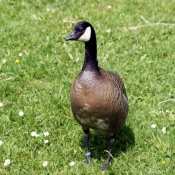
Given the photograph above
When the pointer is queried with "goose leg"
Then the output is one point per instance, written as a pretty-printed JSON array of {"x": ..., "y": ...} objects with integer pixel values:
[
  {"x": 111, "y": 145},
  {"x": 86, "y": 138}
]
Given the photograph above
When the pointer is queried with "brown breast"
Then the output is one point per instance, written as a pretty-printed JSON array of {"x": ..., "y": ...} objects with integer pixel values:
[{"x": 98, "y": 101}]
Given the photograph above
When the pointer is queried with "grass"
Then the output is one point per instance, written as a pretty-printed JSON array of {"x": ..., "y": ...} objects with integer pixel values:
[{"x": 139, "y": 47}]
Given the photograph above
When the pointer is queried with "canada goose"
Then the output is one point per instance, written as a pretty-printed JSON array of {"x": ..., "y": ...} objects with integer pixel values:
[{"x": 98, "y": 97}]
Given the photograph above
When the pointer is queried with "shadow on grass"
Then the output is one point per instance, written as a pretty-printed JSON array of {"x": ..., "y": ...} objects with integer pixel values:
[{"x": 99, "y": 142}]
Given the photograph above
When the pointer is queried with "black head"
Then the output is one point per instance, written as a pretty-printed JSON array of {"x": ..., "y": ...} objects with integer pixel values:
[{"x": 81, "y": 32}]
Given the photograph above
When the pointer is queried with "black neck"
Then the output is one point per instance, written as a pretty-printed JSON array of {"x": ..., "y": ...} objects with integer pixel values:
[{"x": 90, "y": 60}]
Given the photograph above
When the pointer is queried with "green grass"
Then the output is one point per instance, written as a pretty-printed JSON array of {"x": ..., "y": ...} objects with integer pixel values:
[{"x": 39, "y": 85}]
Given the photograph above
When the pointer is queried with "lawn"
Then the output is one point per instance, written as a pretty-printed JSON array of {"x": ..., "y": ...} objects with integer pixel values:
[{"x": 38, "y": 134}]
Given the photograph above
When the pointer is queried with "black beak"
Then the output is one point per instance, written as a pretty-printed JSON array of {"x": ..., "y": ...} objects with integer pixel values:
[{"x": 71, "y": 36}]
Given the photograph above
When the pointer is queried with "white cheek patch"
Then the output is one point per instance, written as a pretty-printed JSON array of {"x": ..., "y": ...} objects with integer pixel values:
[{"x": 86, "y": 35}]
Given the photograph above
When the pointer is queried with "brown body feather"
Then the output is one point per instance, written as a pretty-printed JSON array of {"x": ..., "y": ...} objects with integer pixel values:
[{"x": 98, "y": 101}]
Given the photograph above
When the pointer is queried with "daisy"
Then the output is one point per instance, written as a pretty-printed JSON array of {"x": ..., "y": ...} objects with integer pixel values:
[
  {"x": 45, "y": 163},
  {"x": 48, "y": 9},
  {"x": 153, "y": 126},
  {"x": 72, "y": 163},
  {"x": 1, "y": 142},
  {"x": 1, "y": 105},
  {"x": 164, "y": 130},
  {"x": 77, "y": 59},
  {"x": 46, "y": 141},
  {"x": 4, "y": 61},
  {"x": 21, "y": 113},
  {"x": 34, "y": 134},
  {"x": 7, "y": 162},
  {"x": 108, "y": 31},
  {"x": 46, "y": 133}
]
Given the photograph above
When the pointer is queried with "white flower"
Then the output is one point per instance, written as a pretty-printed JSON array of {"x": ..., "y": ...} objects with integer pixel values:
[
  {"x": 107, "y": 55},
  {"x": 167, "y": 111},
  {"x": 21, "y": 113},
  {"x": 48, "y": 9},
  {"x": 7, "y": 162},
  {"x": 1, "y": 142},
  {"x": 45, "y": 163},
  {"x": 1, "y": 105},
  {"x": 72, "y": 163},
  {"x": 46, "y": 141},
  {"x": 153, "y": 126},
  {"x": 77, "y": 59},
  {"x": 34, "y": 16},
  {"x": 164, "y": 130},
  {"x": 109, "y": 6},
  {"x": 20, "y": 54},
  {"x": 34, "y": 134},
  {"x": 108, "y": 31},
  {"x": 4, "y": 61},
  {"x": 46, "y": 133}
]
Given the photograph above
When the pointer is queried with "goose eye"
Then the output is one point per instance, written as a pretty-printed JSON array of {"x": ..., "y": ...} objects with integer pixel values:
[{"x": 80, "y": 29}]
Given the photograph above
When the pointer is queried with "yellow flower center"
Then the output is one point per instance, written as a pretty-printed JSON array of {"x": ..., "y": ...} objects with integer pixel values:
[{"x": 16, "y": 61}]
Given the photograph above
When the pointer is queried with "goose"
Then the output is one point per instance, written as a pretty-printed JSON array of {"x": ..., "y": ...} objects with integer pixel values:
[{"x": 98, "y": 97}]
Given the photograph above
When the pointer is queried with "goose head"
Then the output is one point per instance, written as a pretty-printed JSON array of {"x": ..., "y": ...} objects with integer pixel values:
[{"x": 82, "y": 31}]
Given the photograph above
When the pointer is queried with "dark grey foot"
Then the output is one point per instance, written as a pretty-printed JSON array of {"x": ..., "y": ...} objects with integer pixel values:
[
  {"x": 104, "y": 167},
  {"x": 88, "y": 160},
  {"x": 111, "y": 144}
]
